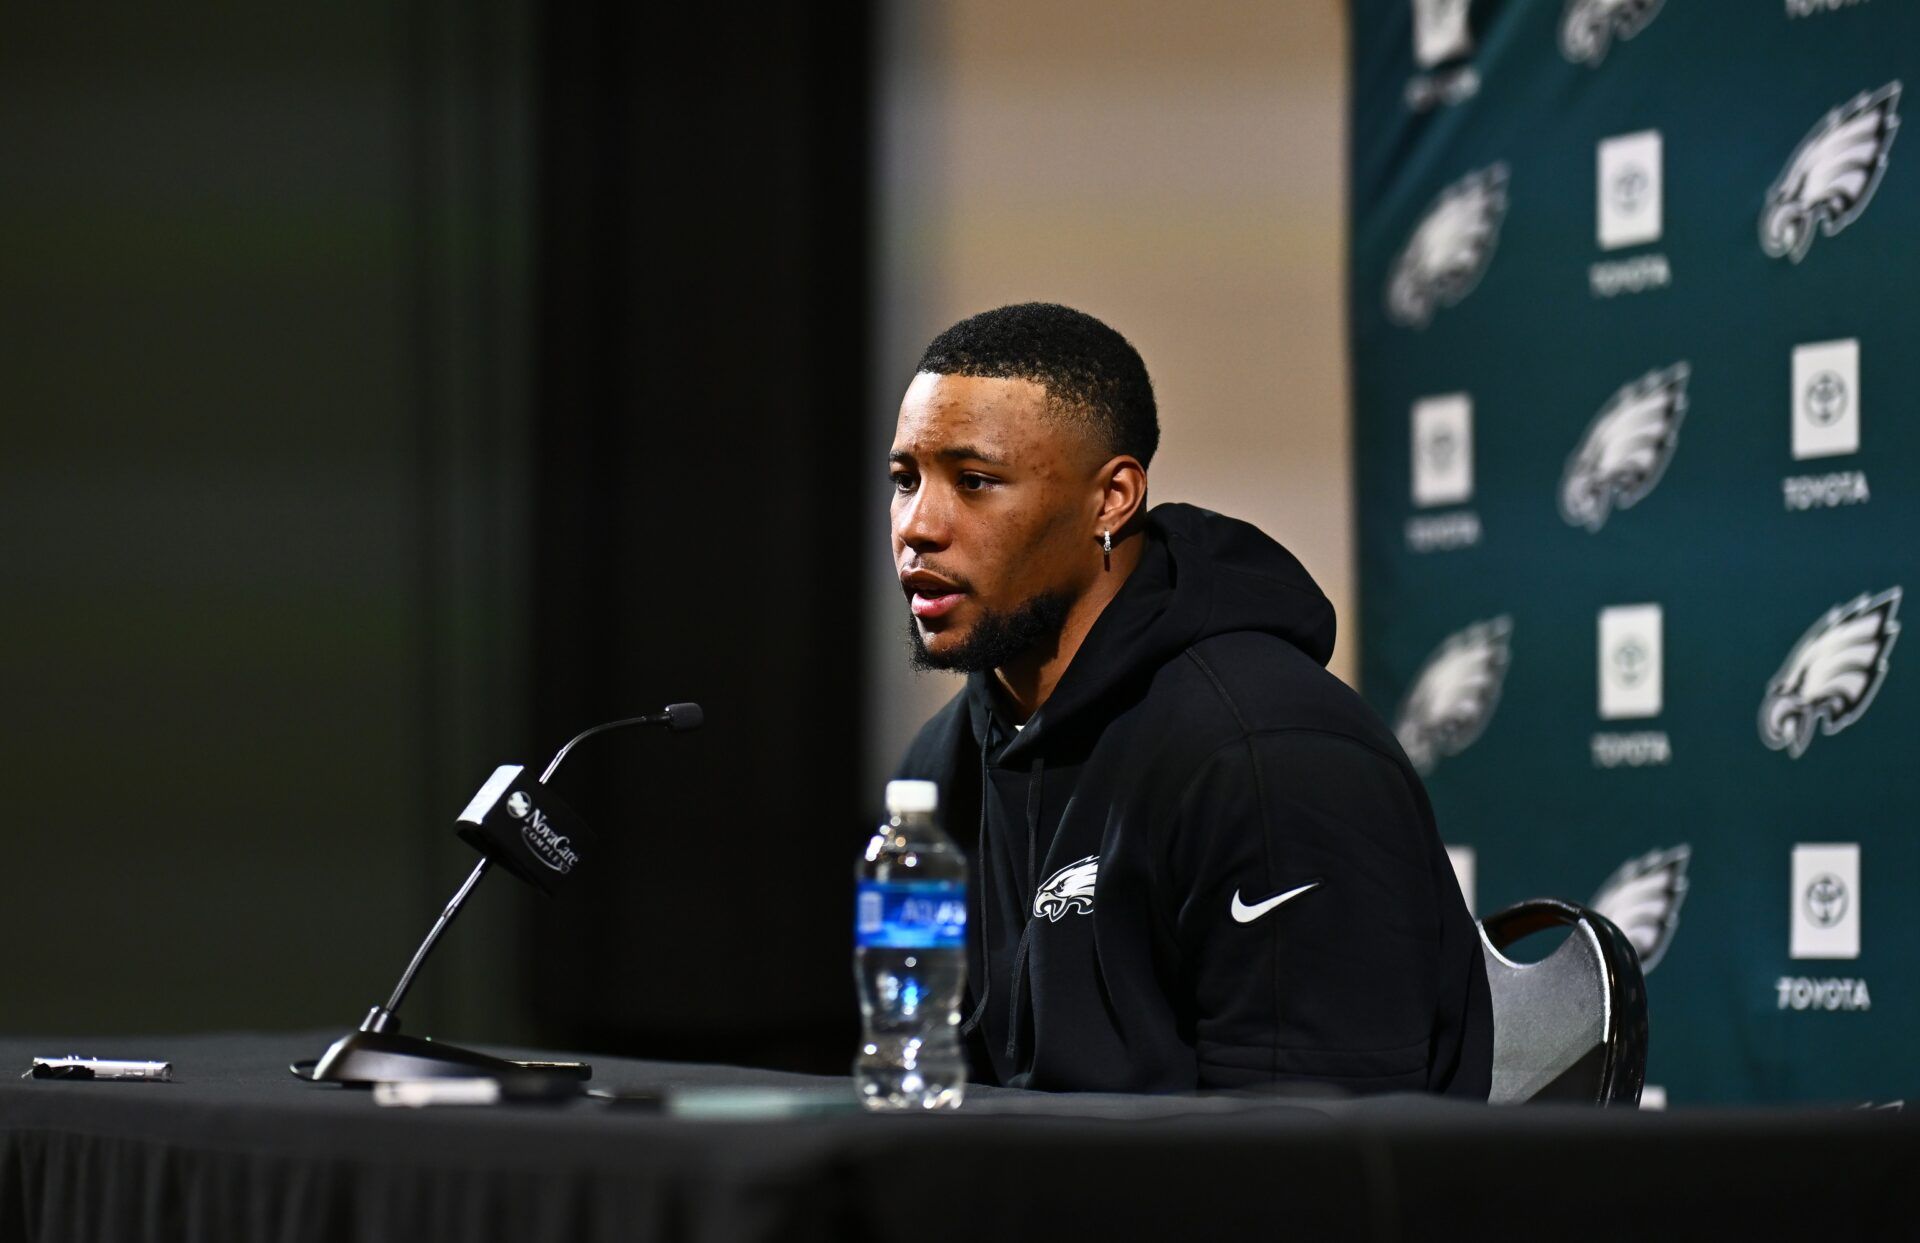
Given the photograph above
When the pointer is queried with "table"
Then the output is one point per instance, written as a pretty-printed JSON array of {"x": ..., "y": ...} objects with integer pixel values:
[{"x": 237, "y": 1149}]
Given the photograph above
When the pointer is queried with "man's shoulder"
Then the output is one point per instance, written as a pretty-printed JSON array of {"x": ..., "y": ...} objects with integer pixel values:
[{"x": 1228, "y": 686}]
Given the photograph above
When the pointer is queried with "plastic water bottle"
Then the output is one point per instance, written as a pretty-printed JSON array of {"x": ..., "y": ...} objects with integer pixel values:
[{"x": 910, "y": 957}]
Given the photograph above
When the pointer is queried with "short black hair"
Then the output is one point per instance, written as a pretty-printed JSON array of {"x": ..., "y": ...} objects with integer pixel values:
[{"x": 1090, "y": 372}]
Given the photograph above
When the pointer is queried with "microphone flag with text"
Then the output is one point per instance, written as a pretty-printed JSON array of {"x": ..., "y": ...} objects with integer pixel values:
[{"x": 524, "y": 827}]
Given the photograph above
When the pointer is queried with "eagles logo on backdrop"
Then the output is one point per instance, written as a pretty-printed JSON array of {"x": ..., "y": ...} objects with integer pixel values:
[
  {"x": 1069, "y": 889},
  {"x": 1832, "y": 674},
  {"x": 1597, "y": 152},
  {"x": 1440, "y": 31},
  {"x": 1454, "y": 694},
  {"x": 1442, "y": 42},
  {"x": 1589, "y": 27},
  {"x": 1643, "y": 898},
  {"x": 1450, "y": 248},
  {"x": 1626, "y": 448},
  {"x": 1832, "y": 174}
]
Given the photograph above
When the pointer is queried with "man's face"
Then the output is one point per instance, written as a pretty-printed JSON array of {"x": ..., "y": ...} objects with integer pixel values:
[{"x": 993, "y": 505}]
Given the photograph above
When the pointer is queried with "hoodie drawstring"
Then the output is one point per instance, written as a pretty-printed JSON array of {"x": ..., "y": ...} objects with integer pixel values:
[{"x": 1018, "y": 984}]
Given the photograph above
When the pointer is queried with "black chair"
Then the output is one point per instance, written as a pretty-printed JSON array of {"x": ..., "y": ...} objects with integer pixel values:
[{"x": 1573, "y": 1026}]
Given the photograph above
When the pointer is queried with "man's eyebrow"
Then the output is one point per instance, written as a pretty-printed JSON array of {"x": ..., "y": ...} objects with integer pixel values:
[
  {"x": 952, "y": 453},
  {"x": 963, "y": 453}
]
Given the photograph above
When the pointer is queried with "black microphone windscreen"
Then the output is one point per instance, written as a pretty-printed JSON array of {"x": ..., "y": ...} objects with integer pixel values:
[{"x": 685, "y": 716}]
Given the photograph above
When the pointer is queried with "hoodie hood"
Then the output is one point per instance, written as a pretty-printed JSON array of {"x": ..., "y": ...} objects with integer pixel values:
[{"x": 1200, "y": 574}]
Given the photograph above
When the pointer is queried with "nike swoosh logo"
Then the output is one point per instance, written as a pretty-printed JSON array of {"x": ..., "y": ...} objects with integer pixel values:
[{"x": 1242, "y": 913}]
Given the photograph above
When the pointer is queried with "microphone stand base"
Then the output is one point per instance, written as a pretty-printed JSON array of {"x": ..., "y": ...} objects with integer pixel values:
[{"x": 360, "y": 1058}]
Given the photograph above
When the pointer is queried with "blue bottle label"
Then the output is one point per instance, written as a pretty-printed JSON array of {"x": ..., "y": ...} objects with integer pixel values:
[{"x": 911, "y": 915}]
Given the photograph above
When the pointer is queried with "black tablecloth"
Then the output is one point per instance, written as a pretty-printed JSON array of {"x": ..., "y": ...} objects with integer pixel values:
[{"x": 236, "y": 1148}]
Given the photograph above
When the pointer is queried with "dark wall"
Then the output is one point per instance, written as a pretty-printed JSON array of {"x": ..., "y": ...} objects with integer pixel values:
[
  {"x": 392, "y": 390},
  {"x": 247, "y": 561},
  {"x": 701, "y": 379}
]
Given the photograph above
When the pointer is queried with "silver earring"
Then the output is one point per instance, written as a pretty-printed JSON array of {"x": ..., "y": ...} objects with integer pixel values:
[{"x": 1106, "y": 543}]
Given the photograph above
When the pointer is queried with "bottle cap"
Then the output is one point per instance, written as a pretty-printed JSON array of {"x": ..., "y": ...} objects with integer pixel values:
[{"x": 904, "y": 797}]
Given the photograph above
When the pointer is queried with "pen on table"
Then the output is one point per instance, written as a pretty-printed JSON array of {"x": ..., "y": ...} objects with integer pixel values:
[{"x": 76, "y": 1067}]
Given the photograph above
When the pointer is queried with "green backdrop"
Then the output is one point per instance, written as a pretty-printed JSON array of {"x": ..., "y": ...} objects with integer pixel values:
[{"x": 1632, "y": 319}]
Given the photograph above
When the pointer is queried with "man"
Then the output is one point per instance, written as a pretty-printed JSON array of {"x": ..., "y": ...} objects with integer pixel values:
[{"x": 1199, "y": 860}]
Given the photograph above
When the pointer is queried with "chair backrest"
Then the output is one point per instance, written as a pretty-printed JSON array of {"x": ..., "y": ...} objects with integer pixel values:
[{"x": 1573, "y": 1026}]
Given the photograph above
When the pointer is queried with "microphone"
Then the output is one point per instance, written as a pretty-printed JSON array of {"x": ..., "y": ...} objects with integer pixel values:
[
  {"x": 683, "y": 717},
  {"x": 526, "y": 829}
]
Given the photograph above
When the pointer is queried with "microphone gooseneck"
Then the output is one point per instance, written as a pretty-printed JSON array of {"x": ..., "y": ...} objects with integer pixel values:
[
  {"x": 382, "y": 1019},
  {"x": 676, "y": 717}
]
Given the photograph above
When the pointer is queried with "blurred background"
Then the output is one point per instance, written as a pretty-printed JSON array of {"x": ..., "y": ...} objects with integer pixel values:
[{"x": 395, "y": 389}]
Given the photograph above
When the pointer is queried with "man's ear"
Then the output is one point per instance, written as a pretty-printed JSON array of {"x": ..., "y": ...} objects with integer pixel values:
[{"x": 1123, "y": 494}]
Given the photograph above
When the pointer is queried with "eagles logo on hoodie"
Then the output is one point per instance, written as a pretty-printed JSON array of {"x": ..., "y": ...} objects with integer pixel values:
[{"x": 1069, "y": 889}]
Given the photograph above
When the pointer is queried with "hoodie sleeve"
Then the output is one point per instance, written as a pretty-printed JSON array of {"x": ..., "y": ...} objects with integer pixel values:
[{"x": 1320, "y": 933}]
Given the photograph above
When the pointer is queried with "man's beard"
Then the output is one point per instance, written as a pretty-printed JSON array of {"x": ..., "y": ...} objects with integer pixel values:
[{"x": 997, "y": 638}]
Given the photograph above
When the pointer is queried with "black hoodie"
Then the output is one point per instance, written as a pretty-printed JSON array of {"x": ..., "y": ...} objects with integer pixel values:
[{"x": 1205, "y": 862}]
